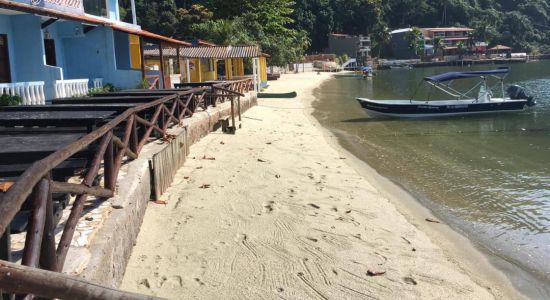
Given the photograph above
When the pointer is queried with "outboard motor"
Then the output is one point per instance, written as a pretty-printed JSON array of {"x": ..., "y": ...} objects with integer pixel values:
[{"x": 516, "y": 92}]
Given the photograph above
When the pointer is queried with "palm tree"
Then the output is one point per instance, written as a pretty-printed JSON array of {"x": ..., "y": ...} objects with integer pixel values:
[
  {"x": 381, "y": 37},
  {"x": 416, "y": 41},
  {"x": 439, "y": 45},
  {"x": 470, "y": 42},
  {"x": 460, "y": 45}
]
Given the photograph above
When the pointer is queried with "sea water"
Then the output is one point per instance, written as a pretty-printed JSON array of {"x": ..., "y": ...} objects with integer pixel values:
[{"x": 487, "y": 176}]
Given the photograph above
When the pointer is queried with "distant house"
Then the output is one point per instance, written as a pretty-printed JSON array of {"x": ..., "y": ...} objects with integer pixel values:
[
  {"x": 354, "y": 46},
  {"x": 499, "y": 49},
  {"x": 450, "y": 36}
]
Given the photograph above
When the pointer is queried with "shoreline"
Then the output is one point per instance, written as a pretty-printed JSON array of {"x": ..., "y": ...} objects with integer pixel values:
[
  {"x": 284, "y": 211},
  {"x": 458, "y": 247}
]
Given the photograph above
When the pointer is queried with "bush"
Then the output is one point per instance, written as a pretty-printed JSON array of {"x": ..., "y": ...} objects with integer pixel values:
[
  {"x": 108, "y": 88},
  {"x": 9, "y": 100},
  {"x": 144, "y": 84}
]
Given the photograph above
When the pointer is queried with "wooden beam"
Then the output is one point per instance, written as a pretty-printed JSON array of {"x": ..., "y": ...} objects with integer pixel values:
[
  {"x": 127, "y": 150},
  {"x": 88, "y": 28},
  {"x": 142, "y": 56},
  {"x": 35, "y": 231},
  {"x": 23, "y": 280},
  {"x": 161, "y": 55},
  {"x": 48, "y": 23},
  {"x": 80, "y": 189}
]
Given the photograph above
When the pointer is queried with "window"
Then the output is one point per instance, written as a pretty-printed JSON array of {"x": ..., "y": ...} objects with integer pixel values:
[
  {"x": 208, "y": 64},
  {"x": 5, "y": 75},
  {"x": 49, "y": 51},
  {"x": 96, "y": 7}
]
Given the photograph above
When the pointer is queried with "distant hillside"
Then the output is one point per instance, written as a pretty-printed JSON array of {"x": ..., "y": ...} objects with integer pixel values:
[{"x": 286, "y": 29}]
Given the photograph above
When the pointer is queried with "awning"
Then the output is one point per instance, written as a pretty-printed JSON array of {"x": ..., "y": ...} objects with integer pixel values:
[
  {"x": 88, "y": 19},
  {"x": 216, "y": 52},
  {"x": 222, "y": 52},
  {"x": 462, "y": 75},
  {"x": 501, "y": 47}
]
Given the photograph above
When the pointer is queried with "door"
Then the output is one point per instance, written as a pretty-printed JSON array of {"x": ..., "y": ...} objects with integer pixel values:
[
  {"x": 5, "y": 74},
  {"x": 49, "y": 49}
]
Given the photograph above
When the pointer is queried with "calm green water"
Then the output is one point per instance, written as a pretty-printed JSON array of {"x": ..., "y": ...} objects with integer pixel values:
[{"x": 487, "y": 176}]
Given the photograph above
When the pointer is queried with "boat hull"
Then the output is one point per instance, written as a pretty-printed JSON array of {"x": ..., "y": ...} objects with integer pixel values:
[{"x": 438, "y": 108}]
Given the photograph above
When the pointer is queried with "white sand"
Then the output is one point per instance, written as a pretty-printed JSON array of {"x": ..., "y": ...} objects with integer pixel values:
[{"x": 285, "y": 216}]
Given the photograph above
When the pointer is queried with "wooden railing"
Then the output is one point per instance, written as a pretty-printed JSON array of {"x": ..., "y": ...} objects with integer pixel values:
[
  {"x": 123, "y": 137},
  {"x": 71, "y": 88},
  {"x": 32, "y": 93}
]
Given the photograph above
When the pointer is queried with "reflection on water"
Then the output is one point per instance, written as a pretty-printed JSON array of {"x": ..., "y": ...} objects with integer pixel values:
[{"x": 487, "y": 175}]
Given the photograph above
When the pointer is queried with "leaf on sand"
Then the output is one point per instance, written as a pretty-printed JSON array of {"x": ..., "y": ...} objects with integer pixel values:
[
  {"x": 375, "y": 273},
  {"x": 160, "y": 202},
  {"x": 314, "y": 205},
  {"x": 432, "y": 220},
  {"x": 205, "y": 186},
  {"x": 5, "y": 186},
  {"x": 261, "y": 160}
]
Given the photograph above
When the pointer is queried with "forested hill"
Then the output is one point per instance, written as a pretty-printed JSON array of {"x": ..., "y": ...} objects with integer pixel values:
[{"x": 285, "y": 28}]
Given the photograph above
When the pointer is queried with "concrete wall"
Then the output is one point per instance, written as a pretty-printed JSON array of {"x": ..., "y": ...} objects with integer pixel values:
[
  {"x": 28, "y": 53},
  {"x": 343, "y": 45},
  {"x": 112, "y": 246}
]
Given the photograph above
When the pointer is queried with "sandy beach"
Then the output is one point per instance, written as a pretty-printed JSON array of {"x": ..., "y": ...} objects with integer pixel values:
[{"x": 279, "y": 210}]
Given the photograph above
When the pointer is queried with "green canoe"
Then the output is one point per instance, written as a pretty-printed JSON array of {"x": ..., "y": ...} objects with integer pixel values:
[{"x": 277, "y": 95}]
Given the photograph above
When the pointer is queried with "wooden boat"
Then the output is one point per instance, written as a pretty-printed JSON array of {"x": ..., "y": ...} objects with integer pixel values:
[
  {"x": 516, "y": 99},
  {"x": 278, "y": 95}
]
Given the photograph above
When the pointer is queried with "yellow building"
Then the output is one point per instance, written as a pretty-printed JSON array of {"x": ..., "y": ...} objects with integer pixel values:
[{"x": 210, "y": 63}]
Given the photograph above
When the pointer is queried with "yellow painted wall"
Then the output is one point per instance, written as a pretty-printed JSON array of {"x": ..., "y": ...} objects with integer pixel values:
[
  {"x": 238, "y": 66},
  {"x": 229, "y": 69},
  {"x": 135, "y": 51},
  {"x": 263, "y": 69},
  {"x": 208, "y": 75},
  {"x": 196, "y": 74}
]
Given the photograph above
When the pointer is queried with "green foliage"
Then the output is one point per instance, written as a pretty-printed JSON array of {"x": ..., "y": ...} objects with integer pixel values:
[
  {"x": 143, "y": 85},
  {"x": 9, "y": 100},
  {"x": 286, "y": 28},
  {"x": 107, "y": 88},
  {"x": 415, "y": 38}
]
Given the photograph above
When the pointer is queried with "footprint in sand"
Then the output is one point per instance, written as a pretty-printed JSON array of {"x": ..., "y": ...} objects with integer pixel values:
[
  {"x": 198, "y": 281},
  {"x": 269, "y": 207},
  {"x": 145, "y": 283}
]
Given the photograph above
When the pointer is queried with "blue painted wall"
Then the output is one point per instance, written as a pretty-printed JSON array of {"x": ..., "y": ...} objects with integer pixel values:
[
  {"x": 96, "y": 56},
  {"x": 101, "y": 53},
  {"x": 29, "y": 60}
]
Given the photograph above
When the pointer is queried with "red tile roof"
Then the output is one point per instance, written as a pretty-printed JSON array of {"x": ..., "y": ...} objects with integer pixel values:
[{"x": 448, "y": 29}]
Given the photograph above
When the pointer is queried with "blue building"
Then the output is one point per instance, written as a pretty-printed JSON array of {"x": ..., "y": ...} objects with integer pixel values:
[{"x": 59, "y": 48}]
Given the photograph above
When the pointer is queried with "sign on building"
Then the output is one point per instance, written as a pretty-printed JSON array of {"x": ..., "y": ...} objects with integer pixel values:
[{"x": 70, "y": 6}]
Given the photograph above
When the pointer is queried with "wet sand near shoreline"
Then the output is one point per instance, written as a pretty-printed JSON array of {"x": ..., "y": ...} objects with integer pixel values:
[{"x": 276, "y": 211}]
